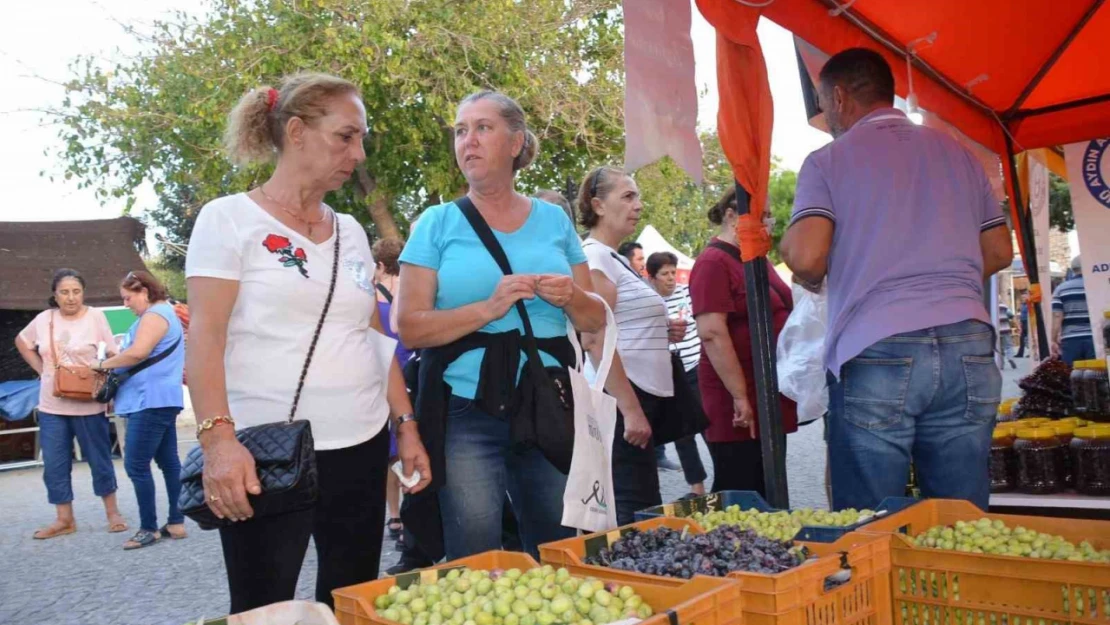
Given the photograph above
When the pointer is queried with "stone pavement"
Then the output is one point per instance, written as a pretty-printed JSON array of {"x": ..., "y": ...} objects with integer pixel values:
[{"x": 87, "y": 579}]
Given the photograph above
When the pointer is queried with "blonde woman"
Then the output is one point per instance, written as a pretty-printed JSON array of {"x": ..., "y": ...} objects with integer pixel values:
[{"x": 259, "y": 268}]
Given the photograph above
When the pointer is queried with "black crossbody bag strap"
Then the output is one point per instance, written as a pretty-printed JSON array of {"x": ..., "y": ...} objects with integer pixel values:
[
  {"x": 385, "y": 293},
  {"x": 493, "y": 246},
  {"x": 153, "y": 360},
  {"x": 727, "y": 249}
]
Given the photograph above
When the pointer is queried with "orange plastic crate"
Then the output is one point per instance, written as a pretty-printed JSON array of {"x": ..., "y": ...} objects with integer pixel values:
[
  {"x": 799, "y": 596},
  {"x": 935, "y": 587},
  {"x": 699, "y": 601}
]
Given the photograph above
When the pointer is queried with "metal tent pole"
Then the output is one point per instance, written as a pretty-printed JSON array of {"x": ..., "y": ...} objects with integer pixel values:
[
  {"x": 1029, "y": 259},
  {"x": 772, "y": 437}
]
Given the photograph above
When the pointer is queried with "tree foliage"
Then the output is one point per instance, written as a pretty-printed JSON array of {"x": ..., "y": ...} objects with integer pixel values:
[
  {"x": 158, "y": 118},
  {"x": 678, "y": 207},
  {"x": 1059, "y": 204}
]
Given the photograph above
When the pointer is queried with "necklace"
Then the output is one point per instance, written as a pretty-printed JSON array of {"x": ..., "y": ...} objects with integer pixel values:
[{"x": 293, "y": 214}]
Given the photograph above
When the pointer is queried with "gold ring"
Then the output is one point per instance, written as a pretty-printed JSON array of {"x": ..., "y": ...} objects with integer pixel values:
[{"x": 213, "y": 498}]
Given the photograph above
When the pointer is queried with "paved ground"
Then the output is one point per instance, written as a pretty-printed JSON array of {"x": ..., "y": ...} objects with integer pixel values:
[{"x": 86, "y": 579}]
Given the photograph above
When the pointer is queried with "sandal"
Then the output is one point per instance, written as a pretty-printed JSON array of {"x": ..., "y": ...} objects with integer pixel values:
[
  {"x": 142, "y": 538},
  {"x": 117, "y": 526},
  {"x": 395, "y": 527},
  {"x": 166, "y": 533},
  {"x": 53, "y": 531}
]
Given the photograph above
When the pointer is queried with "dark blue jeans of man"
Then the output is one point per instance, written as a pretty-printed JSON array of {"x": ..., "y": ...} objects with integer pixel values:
[
  {"x": 1078, "y": 348},
  {"x": 931, "y": 396},
  {"x": 56, "y": 434},
  {"x": 481, "y": 467},
  {"x": 152, "y": 435}
]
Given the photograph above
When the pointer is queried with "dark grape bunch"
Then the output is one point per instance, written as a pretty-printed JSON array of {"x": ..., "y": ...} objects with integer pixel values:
[
  {"x": 1047, "y": 391},
  {"x": 672, "y": 553}
]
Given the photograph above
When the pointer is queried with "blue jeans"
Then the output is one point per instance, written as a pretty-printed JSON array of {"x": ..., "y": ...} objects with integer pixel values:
[
  {"x": 481, "y": 468},
  {"x": 56, "y": 434},
  {"x": 930, "y": 395},
  {"x": 1079, "y": 348},
  {"x": 152, "y": 435}
]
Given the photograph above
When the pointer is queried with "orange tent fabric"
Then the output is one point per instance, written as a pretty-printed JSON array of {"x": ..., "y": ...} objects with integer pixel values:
[
  {"x": 746, "y": 114},
  {"x": 1031, "y": 72},
  {"x": 1037, "y": 66}
]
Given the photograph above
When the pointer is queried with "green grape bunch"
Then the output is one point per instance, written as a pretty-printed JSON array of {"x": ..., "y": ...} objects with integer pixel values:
[
  {"x": 540, "y": 596},
  {"x": 996, "y": 538},
  {"x": 780, "y": 525}
]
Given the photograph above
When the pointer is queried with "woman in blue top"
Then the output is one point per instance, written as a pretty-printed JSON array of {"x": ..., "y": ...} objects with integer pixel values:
[
  {"x": 151, "y": 400},
  {"x": 452, "y": 288}
]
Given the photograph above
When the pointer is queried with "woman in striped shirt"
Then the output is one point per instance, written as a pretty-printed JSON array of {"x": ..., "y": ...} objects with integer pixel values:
[
  {"x": 609, "y": 206},
  {"x": 662, "y": 270}
]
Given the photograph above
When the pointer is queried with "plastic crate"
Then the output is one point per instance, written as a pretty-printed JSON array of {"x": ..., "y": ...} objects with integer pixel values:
[
  {"x": 806, "y": 595},
  {"x": 749, "y": 499},
  {"x": 934, "y": 587},
  {"x": 699, "y": 601}
]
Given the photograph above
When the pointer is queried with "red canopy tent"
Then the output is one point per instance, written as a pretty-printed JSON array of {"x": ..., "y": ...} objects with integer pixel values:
[{"x": 1011, "y": 75}]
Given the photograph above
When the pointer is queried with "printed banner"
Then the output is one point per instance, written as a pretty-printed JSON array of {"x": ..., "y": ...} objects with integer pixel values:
[
  {"x": 660, "y": 96},
  {"x": 1089, "y": 178},
  {"x": 1038, "y": 207}
]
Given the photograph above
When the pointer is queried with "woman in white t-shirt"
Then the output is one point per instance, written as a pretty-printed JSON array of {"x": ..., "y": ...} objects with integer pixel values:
[
  {"x": 259, "y": 268},
  {"x": 609, "y": 205}
]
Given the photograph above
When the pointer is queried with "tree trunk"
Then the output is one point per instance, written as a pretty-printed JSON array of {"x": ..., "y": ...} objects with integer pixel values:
[{"x": 378, "y": 208}]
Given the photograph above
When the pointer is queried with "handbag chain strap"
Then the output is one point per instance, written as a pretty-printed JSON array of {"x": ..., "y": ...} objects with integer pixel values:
[{"x": 320, "y": 323}]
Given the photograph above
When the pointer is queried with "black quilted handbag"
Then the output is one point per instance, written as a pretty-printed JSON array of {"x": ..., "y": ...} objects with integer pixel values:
[{"x": 284, "y": 454}]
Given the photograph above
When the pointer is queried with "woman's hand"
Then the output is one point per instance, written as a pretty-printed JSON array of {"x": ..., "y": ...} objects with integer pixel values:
[
  {"x": 413, "y": 455},
  {"x": 637, "y": 430},
  {"x": 229, "y": 475},
  {"x": 555, "y": 289},
  {"x": 509, "y": 291},
  {"x": 743, "y": 416},
  {"x": 676, "y": 330}
]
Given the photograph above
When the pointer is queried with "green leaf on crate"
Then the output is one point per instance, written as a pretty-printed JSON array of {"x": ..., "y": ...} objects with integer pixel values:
[
  {"x": 601, "y": 541},
  {"x": 424, "y": 576},
  {"x": 404, "y": 580}
]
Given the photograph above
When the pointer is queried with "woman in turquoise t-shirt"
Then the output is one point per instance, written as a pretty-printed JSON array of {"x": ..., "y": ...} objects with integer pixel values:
[
  {"x": 151, "y": 401},
  {"x": 451, "y": 287}
]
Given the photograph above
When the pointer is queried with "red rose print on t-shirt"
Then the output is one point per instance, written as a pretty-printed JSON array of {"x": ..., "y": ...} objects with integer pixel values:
[
  {"x": 288, "y": 257},
  {"x": 275, "y": 243}
]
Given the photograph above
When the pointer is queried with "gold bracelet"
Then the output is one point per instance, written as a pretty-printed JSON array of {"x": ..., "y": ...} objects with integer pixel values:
[{"x": 208, "y": 424}]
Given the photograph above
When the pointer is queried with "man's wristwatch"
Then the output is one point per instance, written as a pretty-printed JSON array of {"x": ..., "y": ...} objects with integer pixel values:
[{"x": 405, "y": 418}]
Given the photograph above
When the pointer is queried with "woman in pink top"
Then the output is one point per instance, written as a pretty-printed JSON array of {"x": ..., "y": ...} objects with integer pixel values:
[{"x": 76, "y": 330}]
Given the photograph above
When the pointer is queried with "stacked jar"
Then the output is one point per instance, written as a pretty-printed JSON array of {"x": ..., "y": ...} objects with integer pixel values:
[
  {"x": 1005, "y": 410},
  {"x": 1040, "y": 468},
  {"x": 1097, "y": 391},
  {"x": 1106, "y": 331},
  {"x": 1003, "y": 461},
  {"x": 1065, "y": 432},
  {"x": 1079, "y": 383},
  {"x": 1029, "y": 422},
  {"x": 1090, "y": 459}
]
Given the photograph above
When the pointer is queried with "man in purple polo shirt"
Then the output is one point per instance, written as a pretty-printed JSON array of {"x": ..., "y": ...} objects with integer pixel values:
[{"x": 902, "y": 221}]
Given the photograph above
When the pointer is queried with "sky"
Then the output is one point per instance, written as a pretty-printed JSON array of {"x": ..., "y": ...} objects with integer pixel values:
[{"x": 38, "y": 40}]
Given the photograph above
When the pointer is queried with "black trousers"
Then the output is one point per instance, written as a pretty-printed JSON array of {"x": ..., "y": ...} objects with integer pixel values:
[
  {"x": 264, "y": 556},
  {"x": 737, "y": 466},
  {"x": 687, "y": 448},
  {"x": 635, "y": 473}
]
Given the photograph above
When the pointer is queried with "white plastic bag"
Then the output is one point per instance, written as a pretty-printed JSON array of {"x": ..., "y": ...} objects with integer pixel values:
[
  {"x": 588, "y": 502},
  {"x": 286, "y": 613},
  {"x": 801, "y": 354}
]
